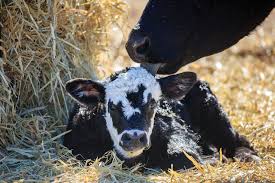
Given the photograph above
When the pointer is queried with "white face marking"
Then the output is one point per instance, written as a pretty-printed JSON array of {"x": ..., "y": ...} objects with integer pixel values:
[
  {"x": 151, "y": 126},
  {"x": 132, "y": 132},
  {"x": 116, "y": 91},
  {"x": 137, "y": 26}
]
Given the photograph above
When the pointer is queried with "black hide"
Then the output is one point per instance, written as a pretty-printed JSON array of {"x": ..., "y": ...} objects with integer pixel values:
[
  {"x": 199, "y": 121},
  {"x": 178, "y": 32}
]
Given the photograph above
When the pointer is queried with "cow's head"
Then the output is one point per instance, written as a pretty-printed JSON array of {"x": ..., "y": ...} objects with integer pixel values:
[
  {"x": 177, "y": 32},
  {"x": 130, "y": 99}
]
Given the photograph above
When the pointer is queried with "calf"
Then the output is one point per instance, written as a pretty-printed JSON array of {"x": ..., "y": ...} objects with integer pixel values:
[{"x": 150, "y": 121}]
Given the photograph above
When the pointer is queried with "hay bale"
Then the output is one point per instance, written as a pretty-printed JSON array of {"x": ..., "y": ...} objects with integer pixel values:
[{"x": 44, "y": 44}]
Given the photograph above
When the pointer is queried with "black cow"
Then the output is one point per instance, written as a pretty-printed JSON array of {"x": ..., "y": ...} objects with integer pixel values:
[
  {"x": 150, "y": 121},
  {"x": 178, "y": 32}
]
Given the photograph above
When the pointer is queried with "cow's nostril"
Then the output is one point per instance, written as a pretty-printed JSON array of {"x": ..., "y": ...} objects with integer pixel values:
[{"x": 143, "y": 47}]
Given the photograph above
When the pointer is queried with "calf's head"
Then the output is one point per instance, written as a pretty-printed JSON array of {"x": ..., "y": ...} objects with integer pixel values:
[{"x": 130, "y": 101}]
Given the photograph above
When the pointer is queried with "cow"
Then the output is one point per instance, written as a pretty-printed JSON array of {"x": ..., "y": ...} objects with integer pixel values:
[
  {"x": 150, "y": 120},
  {"x": 174, "y": 33}
]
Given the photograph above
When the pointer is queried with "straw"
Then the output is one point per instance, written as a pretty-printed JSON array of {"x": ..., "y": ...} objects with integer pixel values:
[{"x": 45, "y": 43}]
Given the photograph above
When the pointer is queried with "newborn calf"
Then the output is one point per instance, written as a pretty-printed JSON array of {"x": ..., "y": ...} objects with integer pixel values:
[{"x": 150, "y": 121}]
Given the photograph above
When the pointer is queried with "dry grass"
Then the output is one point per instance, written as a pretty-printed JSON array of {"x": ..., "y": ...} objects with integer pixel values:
[{"x": 46, "y": 44}]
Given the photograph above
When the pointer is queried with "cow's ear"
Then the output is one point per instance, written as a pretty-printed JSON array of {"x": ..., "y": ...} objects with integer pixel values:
[
  {"x": 177, "y": 86},
  {"x": 86, "y": 92}
]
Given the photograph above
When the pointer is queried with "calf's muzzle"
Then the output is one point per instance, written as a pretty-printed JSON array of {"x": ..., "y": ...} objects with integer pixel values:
[{"x": 133, "y": 142}]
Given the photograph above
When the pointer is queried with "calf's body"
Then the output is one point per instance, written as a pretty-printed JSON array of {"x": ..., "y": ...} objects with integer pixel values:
[{"x": 195, "y": 124}]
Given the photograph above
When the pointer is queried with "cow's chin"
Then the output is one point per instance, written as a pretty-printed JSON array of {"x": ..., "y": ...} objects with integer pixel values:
[
  {"x": 170, "y": 68},
  {"x": 128, "y": 154}
]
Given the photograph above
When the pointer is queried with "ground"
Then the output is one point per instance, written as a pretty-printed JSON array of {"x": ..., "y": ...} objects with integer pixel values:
[{"x": 243, "y": 78}]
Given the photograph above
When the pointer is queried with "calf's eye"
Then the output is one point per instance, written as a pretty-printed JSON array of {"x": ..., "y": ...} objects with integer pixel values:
[
  {"x": 152, "y": 104},
  {"x": 112, "y": 107}
]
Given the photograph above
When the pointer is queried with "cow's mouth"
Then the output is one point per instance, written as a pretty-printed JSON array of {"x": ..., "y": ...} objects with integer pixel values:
[
  {"x": 152, "y": 68},
  {"x": 168, "y": 69},
  {"x": 160, "y": 68}
]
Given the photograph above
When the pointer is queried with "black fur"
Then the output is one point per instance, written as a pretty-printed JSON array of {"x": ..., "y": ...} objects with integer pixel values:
[
  {"x": 199, "y": 119},
  {"x": 136, "y": 98},
  {"x": 87, "y": 92},
  {"x": 182, "y": 31}
]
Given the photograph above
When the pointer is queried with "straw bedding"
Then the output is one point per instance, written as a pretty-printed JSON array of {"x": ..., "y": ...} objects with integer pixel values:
[{"x": 45, "y": 43}]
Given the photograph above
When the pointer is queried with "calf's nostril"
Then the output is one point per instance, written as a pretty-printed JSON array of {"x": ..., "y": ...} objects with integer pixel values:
[
  {"x": 143, "y": 139},
  {"x": 126, "y": 138},
  {"x": 134, "y": 140}
]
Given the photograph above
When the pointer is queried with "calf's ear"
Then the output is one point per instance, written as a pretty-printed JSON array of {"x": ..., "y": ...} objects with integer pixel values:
[
  {"x": 177, "y": 86},
  {"x": 85, "y": 91}
]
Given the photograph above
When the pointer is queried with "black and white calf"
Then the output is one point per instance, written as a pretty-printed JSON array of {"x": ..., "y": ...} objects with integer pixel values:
[{"x": 150, "y": 121}]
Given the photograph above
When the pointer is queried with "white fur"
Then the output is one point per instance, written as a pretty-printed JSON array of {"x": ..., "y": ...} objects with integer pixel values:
[
  {"x": 137, "y": 26},
  {"x": 116, "y": 139},
  {"x": 132, "y": 132},
  {"x": 151, "y": 127},
  {"x": 116, "y": 91}
]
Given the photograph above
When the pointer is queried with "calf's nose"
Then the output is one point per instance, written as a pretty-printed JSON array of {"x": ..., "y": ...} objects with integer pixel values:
[
  {"x": 133, "y": 141},
  {"x": 138, "y": 46}
]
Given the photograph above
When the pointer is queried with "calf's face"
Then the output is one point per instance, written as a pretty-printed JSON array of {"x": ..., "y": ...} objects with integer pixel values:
[{"x": 130, "y": 101}]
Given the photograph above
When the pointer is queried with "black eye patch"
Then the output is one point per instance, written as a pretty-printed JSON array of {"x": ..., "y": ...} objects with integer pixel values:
[
  {"x": 116, "y": 112},
  {"x": 136, "y": 98},
  {"x": 112, "y": 107},
  {"x": 115, "y": 108},
  {"x": 139, "y": 121},
  {"x": 152, "y": 104}
]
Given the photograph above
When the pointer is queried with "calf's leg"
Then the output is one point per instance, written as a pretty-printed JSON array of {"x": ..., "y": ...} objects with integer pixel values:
[{"x": 209, "y": 120}]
